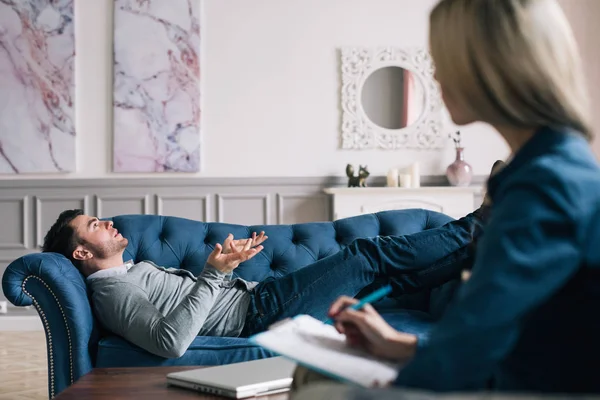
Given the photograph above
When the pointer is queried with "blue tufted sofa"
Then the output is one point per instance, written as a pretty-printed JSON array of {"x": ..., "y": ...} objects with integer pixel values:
[{"x": 77, "y": 343}]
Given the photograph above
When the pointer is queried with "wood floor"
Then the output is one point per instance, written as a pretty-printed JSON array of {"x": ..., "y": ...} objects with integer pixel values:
[{"x": 23, "y": 368}]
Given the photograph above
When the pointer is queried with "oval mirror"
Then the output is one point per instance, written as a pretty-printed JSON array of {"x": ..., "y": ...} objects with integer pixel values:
[{"x": 392, "y": 97}]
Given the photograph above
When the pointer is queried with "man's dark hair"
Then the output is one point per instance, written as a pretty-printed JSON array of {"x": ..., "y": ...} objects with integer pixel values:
[{"x": 61, "y": 237}]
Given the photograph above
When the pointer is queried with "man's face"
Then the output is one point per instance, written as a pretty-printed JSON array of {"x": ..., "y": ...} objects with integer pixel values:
[{"x": 99, "y": 239}]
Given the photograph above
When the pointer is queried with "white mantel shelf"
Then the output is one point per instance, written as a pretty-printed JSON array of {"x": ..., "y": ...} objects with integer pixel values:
[
  {"x": 453, "y": 201},
  {"x": 400, "y": 190}
]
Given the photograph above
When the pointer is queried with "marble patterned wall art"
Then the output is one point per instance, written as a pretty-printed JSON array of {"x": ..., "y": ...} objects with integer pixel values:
[
  {"x": 156, "y": 86},
  {"x": 37, "y": 52}
]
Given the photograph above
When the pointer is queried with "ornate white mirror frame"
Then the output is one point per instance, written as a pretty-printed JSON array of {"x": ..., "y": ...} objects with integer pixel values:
[{"x": 358, "y": 131}]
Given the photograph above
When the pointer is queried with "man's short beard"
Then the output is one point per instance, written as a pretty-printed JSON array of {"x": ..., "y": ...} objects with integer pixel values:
[{"x": 104, "y": 250}]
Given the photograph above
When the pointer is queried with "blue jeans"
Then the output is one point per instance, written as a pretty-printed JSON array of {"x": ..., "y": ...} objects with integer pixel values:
[{"x": 411, "y": 263}]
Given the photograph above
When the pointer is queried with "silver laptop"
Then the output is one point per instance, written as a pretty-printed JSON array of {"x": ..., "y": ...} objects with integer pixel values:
[{"x": 239, "y": 380}]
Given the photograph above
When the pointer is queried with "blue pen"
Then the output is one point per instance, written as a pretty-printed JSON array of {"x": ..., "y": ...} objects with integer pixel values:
[{"x": 370, "y": 298}]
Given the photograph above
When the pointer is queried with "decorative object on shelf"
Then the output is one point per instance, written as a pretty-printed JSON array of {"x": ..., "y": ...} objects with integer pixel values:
[
  {"x": 459, "y": 173},
  {"x": 359, "y": 180},
  {"x": 415, "y": 175},
  {"x": 156, "y": 98},
  {"x": 37, "y": 60},
  {"x": 405, "y": 180},
  {"x": 389, "y": 99},
  {"x": 392, "y": 178}
]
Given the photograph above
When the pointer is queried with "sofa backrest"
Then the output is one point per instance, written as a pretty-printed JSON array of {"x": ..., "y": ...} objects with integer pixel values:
[{"x": 182, "y": 243}]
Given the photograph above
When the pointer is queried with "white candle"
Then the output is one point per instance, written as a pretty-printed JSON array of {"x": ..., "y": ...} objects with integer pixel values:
[
  {"x": 392, "y": 178},
  {"x": 405, "y": 180},
  {"x": 416, "y": 175}
]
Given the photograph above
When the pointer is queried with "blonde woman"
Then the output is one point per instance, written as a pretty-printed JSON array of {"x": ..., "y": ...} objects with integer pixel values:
[{"x": 527, "y": 319}]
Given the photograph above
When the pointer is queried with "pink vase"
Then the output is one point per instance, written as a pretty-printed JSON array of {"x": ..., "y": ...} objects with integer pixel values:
[{"x": 459, "y": 173}]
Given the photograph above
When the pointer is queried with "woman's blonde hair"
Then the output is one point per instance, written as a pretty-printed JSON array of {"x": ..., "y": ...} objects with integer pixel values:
[{"x": 512, "y": 62}]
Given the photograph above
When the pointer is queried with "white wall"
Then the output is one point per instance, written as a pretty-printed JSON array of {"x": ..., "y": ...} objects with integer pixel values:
[
  {"x": 272, "y": 80},
  {"x": 584, "y": 15},
  {"x": 270, "y": 83}
]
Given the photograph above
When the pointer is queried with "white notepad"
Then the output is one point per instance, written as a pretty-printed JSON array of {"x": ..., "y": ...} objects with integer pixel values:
[{"x": 322, "y": 348}]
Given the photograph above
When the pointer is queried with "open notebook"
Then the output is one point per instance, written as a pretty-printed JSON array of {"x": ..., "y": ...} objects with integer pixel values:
[{"x": 320, "y": 347}]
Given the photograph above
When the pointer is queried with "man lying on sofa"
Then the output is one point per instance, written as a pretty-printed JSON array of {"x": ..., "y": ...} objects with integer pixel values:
[{"x": 162, "y": 310}]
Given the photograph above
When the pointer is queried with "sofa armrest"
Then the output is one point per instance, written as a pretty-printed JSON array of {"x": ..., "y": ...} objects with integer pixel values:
[{"x": 58, "y": 291}]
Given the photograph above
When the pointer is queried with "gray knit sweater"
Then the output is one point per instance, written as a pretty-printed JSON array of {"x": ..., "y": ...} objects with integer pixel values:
[{"x": 162, "y": 310}]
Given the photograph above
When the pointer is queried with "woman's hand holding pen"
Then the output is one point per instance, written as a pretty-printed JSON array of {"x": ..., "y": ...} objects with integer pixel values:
[{"x": 366, "y": 329}]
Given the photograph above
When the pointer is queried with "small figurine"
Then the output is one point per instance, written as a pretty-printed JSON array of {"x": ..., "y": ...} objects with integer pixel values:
[{"x": 357, "y": 181}]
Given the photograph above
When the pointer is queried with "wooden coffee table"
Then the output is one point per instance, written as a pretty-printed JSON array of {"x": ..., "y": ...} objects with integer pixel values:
[{"x": 146, "y": 383}]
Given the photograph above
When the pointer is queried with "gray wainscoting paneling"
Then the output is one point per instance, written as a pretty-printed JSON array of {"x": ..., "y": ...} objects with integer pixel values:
[
  {"x": 184, "y": 206},
  {"x": 29, "y": 207},
  {"x": 301, "y": 207},
  {"x": 14, "y": 214},
  {"x": 111, "y": 205},
  {"x": 244, "y": 209},
  {"x": 3, "y": 264},
  {"x": 48, "y": 208}
]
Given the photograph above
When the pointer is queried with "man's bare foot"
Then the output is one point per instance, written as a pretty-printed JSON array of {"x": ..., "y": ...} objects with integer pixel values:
[
  {"x": 483, "y": 214},
  {"x": 498, "y": 165},
  {"x": 484, "y": 210}
]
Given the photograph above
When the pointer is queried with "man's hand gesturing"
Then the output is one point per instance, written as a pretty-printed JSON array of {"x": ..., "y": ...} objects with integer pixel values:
[
  {"x": 227, "y": 259},
  {"x": 239, "y": 244}
]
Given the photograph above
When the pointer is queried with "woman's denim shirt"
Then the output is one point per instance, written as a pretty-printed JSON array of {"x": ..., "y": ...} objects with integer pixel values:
[{"x": 528, "y": 319}]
